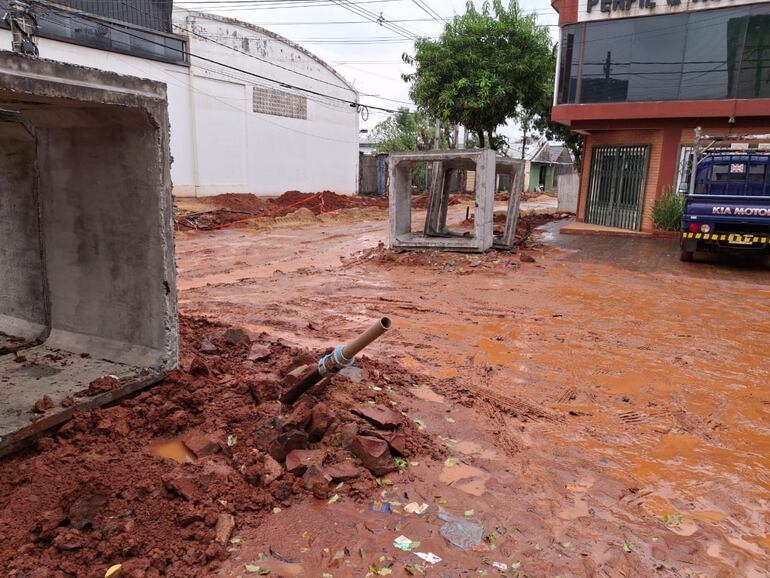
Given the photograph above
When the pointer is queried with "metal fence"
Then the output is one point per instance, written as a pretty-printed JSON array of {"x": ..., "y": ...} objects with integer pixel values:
[{"x": 616, "y": 189}]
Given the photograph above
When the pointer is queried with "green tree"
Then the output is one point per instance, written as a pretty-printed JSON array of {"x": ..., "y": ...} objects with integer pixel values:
[
  {"x": 403, "y": 131},
  {"x": 487, "y": 66}
]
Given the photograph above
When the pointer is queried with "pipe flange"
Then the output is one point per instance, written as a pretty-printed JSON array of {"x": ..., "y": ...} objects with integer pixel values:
[{"x": 338, "y": 361}]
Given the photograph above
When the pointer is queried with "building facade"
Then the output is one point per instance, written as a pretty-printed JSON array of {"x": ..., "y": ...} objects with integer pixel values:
[
  {"x": 636, "y": 77},
  {"x": 250, "y": 111}
]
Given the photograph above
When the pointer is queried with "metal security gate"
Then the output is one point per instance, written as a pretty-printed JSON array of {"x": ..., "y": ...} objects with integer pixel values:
[{"x": 616, "y": 186}]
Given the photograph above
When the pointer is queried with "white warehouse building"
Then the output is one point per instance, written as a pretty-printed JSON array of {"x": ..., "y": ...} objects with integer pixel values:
[{"x": 273, "y": 118}]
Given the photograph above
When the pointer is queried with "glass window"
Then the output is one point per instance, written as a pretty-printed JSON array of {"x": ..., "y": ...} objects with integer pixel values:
[
  {"x": 756, "y": 173},
  {"x": 568, "y": 67},
  {"x": 606, "y": 61},
  {"x": 707, "y": 54},
  {"x": 754, "y": 81},
  {"x": 720, "y": 173},
  {"x": 657, "y": 51}
]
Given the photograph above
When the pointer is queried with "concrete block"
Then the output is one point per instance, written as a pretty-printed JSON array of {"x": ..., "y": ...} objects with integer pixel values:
[
  {"x": 436, "y": 235},
  {"x": 515, "y": 169},
  {"x": 88, "y": 251},
  {"x": 482, "y": 161}
]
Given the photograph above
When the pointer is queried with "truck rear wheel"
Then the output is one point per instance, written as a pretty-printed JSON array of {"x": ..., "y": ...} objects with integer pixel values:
[{"x": 686, "y": 256}]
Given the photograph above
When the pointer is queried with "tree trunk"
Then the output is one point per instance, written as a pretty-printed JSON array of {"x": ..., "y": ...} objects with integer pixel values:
[
  {"x": 480, "y": 134},
  {"x": 492, "y": 143}
]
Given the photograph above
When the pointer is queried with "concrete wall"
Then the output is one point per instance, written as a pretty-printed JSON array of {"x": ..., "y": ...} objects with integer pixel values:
[
  {"x": 218, "y": 143},
  {"x": 22, "y": 298},
  {"x": 102, "y": 190},
  {"x": 568, "y": 186}
]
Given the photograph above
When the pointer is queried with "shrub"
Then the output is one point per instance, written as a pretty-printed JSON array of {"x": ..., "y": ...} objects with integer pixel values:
[{"x": 667, "y": 211}]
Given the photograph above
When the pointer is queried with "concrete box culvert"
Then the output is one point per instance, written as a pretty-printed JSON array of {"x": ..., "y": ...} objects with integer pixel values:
[{"x": 87, "y": 276}]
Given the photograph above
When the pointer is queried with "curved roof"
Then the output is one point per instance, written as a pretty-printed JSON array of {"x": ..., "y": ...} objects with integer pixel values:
[{"x": 278, "y": 37}]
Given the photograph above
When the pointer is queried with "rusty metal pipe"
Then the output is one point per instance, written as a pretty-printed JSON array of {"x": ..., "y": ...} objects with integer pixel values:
[{"x": 342, "y": 356}]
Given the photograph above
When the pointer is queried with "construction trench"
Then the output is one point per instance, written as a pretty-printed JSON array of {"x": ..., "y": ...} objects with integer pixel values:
[{"x": 564, "y": 408}]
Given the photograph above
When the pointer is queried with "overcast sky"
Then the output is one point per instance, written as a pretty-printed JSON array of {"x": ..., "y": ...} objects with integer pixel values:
[{"x": 367, "y": 54}]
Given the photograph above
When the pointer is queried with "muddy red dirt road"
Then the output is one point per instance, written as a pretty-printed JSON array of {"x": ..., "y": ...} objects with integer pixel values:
[{"x": 605, "y": 408}]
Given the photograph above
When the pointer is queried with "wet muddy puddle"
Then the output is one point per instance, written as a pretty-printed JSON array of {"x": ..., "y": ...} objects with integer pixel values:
[{"x": 172, "y": 450}]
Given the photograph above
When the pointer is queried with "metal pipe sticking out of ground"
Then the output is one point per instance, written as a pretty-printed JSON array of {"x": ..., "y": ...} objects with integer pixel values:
[{"x": 343, "y": 356}]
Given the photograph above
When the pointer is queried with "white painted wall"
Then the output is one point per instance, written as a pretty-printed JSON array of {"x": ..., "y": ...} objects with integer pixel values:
[{"x": 218, "y": 143}]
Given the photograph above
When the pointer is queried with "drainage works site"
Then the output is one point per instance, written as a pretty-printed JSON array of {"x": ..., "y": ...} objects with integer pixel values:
[{"x": 577, "y": 406}]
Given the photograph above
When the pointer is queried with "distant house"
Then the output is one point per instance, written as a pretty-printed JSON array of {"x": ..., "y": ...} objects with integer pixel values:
[{"x": 548, "y": 161}]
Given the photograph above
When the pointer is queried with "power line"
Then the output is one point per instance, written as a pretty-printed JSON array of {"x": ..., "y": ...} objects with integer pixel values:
[
  {"x": 210, "y": 39},
  {"x": 189, "y": 54},
  {"x": 429, "y": 11},
  {"x": 368, "y": 15}
]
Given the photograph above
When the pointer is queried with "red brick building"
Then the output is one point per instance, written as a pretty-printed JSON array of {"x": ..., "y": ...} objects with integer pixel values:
[{"x": 637, "y": 76}]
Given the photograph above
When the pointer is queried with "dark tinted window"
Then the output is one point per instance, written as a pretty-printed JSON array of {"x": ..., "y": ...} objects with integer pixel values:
[
  {"x": 708, "y": 54},
  {"x": 756, "y": 173},
  {"x": 754, "y": 79},
  {"x": 720, "y": 173},
  {"x": 69, "y": 27},
  {"x": 606, "y": 61}
]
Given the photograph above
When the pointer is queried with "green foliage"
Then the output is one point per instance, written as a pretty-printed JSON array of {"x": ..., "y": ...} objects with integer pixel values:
[
  {"x": 404, "y": 131},
  {"x": 667, "y": 211},
  {"x": 488, "y": 65}
]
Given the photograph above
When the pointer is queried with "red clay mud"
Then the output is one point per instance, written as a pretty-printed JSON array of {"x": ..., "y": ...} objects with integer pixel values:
[
  {"x": 603, "y": 410},
  {"x": 158, "y": 481}
]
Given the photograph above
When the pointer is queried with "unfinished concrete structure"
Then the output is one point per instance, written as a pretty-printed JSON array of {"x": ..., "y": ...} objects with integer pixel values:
[
  {"x": 86, "y": 244},
  {"x": 436, "y": 234}
]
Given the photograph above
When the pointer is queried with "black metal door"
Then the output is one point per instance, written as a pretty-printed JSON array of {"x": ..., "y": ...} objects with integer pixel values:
[{"x": 616, "y": 186}]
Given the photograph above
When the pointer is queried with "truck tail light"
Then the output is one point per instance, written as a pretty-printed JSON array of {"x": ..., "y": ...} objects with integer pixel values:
[
  {"x": 705, "y": 228},
  {"x": 694, "y": 227}
]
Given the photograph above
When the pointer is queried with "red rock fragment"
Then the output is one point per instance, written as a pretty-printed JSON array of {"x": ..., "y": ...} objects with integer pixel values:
[
  {"x": 203, "y": 444},
  {"x": 199, "y": 367},
  {"x": 374, "y": 454},
  {"x": 317, "y": 482},
  {"x": 348, "y": 433},
  {"x": 343, "y": 471},
  {"x": 271, "y": 470},
  {"x": 68, "y": 401},
  {"x": 68, "y": 539},
  {"x": 258, "y": 352},
  {"x": 396, "y": 440},
  {"x": 286, "y": 442},
  {"x": 180, "y": 485},
  {"x": 43, "y": 404},
  {"x": 224, "y": 528},
  {"x": 320, "y": 419},
  {"x": 48, "y": 522},
  {"x": 86, "y": 507},
  {"x": 379, "y": 415},
  {"x": 297, "y": 461},
  {"x": 236, "y": 336},
  {"x": 300, "y": 414},
  {"x": 102, "y": 385}
]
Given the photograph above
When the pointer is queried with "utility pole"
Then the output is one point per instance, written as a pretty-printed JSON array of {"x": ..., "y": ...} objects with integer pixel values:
[{"x": 23, "y": 26}]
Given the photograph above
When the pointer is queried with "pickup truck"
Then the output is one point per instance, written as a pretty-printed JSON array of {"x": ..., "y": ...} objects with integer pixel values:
[{"x": 729, "y": 204}]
